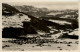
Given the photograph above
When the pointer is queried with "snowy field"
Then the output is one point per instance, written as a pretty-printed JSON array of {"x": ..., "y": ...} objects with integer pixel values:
[{"x": 58, "y": 44}]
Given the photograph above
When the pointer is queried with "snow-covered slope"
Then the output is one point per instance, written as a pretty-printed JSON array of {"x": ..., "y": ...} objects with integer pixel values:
[{"x": 14, "y": 21}]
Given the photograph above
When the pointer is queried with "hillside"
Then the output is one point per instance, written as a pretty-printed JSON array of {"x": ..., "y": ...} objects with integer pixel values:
[
  {"x": 24, "y": 24},
  {"x": 8, "y": 9}
]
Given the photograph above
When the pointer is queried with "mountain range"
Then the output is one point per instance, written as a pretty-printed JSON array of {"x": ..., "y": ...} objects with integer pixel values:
[{"x": 34, "y": 20}]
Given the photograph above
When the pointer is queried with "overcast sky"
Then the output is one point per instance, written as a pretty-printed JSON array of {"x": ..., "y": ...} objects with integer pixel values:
[{"x": 49, "y": 5}]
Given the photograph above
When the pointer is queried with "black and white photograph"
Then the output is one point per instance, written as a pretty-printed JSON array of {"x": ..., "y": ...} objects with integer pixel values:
[{"x": 30, "y": 26}]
